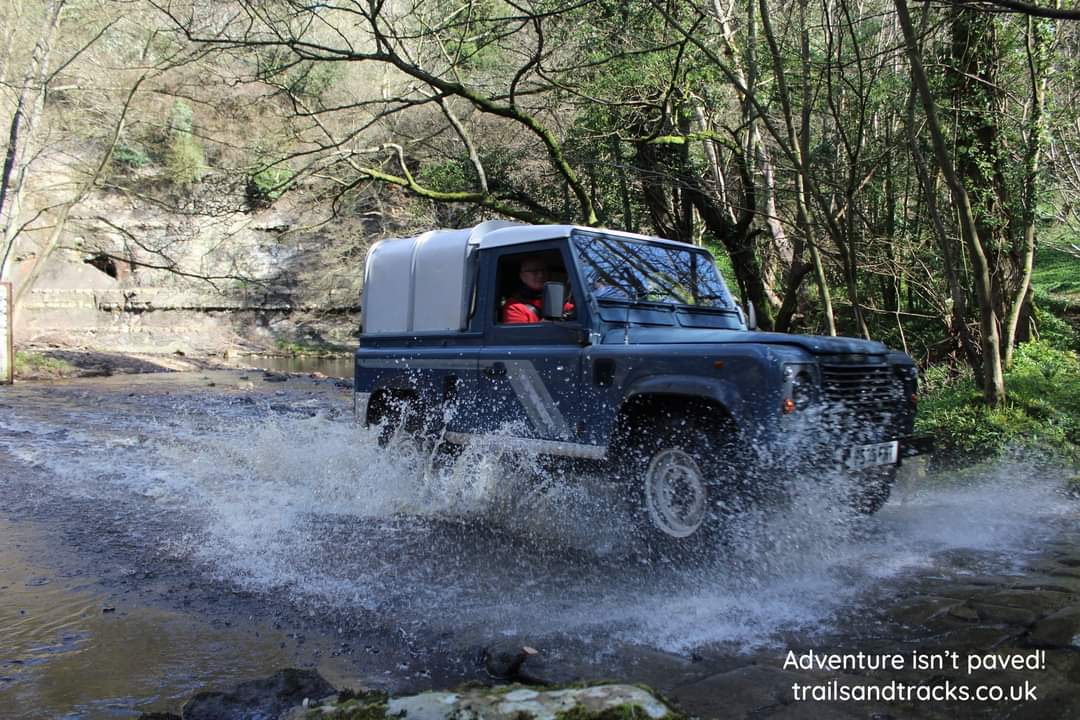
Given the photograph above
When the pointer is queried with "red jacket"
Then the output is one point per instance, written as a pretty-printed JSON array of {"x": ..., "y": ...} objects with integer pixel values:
[{"x": 522, "y": 310}]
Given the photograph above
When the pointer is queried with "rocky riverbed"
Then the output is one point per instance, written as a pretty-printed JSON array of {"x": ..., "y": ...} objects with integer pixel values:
[{"x": 172, "y": 533}]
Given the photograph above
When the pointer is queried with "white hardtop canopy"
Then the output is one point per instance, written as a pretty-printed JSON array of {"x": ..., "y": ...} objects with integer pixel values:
[
  {"x": 423, "y": 284},
  {"x": 514, "y": 234}
]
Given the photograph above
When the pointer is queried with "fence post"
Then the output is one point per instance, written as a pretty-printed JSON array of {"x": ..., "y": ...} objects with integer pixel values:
[{"x": 7, "y": 348}]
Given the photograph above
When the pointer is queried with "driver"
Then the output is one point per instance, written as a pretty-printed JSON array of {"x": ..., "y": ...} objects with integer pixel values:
[{"x": 526, "y": 303}]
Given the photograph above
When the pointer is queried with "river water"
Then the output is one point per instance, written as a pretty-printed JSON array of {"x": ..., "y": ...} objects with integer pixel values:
[{"x": 166, "y": 532}]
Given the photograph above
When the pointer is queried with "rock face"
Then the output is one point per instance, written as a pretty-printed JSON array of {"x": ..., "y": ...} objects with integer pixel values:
[
  {"x": 266, "y": 698},
  {"x": 142, "y": 275}
]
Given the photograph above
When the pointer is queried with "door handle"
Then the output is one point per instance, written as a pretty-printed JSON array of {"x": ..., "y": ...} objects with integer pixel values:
[{"x": 495, "y": 370}]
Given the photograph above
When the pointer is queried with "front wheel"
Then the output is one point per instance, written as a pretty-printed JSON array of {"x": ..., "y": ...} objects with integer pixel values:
[
  {"x": 676, "y": 493},
  {"x": 681, "y": 478}
]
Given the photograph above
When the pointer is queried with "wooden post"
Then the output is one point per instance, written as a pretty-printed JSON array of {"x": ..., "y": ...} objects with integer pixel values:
[{"x": 7, "y": 349}]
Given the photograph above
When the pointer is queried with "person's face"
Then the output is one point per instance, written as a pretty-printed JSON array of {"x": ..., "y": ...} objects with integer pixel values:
[{"x": 533, "y": 275}]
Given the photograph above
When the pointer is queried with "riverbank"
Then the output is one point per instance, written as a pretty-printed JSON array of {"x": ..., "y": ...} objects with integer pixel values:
[{"x": 47, "y": 363}]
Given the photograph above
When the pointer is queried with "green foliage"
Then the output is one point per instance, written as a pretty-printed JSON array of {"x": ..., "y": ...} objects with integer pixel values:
[
  {"x": 310, "y": 347},
  {"x": 181, "y": 118},
  {"x": 1057, "y": 273},
  {"x": 184, "y": 157},
  {"x": 470, "y": 40},
  {"x": 185, "y": 160},
  {"x": 1042, "y": 409},
  {"x": 131, "y": 156},
  {"x": 309, "y": 79},
  {"x": 1055, "y": 280},
  {"x": 268, "y": 183},
  {"x": 451, "y": 175},
  {"x": 1055, "y": 331},
  {"x": 36, "y": 365}
]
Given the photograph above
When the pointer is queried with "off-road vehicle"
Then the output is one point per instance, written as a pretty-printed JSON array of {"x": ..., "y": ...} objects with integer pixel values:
[{"x": 639, "y": 357}]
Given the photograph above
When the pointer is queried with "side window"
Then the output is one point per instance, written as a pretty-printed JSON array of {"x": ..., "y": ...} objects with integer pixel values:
[{"x": 520, "y": 286}]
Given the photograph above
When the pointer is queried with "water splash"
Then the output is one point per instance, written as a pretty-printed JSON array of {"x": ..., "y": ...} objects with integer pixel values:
[{"x": 282, "y": 495}]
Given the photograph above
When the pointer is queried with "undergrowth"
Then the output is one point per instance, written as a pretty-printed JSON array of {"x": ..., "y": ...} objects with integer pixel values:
[
  {"x": 34, "y": 364},
  {"x": 319, "y": 348},
  {"x": 1042, "y": 408}
]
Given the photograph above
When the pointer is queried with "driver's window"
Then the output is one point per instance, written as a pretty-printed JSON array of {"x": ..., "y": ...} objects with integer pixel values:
[{"x": 520, "y": 283}]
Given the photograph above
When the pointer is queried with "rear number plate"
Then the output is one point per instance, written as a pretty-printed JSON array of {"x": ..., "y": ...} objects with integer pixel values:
[{"x": 864, "y": 456}]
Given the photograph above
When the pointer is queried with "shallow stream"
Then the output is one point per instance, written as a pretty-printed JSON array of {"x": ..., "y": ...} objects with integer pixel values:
[{"x": 166, "y": 532}]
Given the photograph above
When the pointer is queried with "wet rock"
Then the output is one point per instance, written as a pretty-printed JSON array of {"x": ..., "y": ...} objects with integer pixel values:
[
  {"x": 159, "y": 716},
  {"x": 964, "y": 612},
  {"x": 1055, "y": 568},
  {"x": 749, "y": 691},
  {"x": 524, "y": 702},
  {"x": 1057, "y": 687},
  {"x": 1061, "y": 584},
  {"x": 657, "y": 668},
  {"x": 1037, "y": 600},
  {"x": 505, "y": 660},
  {"x": 1005, "y": 615},
  {"x": 919, "y": 610},
  {"x": 971, "y": 636},
  {"x": 1064, "y": 571},
  {"x": 264, "y": 698},
  {"x": 275, "y": 377},
  {"x": 1058, "y": 630},
  {"x": 961, "y": 583},
  {"x": 823, "y": 711}
]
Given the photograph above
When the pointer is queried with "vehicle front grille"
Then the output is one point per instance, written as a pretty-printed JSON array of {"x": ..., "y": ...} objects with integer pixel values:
[{"x": 862, "y": 389}]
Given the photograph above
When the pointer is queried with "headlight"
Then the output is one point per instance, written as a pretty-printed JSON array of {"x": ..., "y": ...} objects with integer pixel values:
[{"x": 800, "y": 386}]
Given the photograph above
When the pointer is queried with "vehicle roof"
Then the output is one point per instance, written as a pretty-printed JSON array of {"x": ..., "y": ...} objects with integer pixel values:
[
  {"x": 424, "y": 283},
  {"x": 518, "y": 234}
]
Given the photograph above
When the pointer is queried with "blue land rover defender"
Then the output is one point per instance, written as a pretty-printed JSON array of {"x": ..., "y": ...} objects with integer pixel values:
[{"x": 637, "y": 356}]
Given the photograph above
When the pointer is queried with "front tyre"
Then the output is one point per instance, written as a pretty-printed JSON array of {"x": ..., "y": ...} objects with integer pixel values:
[
  {"x": 680, "y": 480},
  {"x": 676, "y": 494}
]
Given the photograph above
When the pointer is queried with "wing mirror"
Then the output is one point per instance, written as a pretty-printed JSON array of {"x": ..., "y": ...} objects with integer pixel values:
[
  {"x": 747, "y": 314},
  {"x": 554, "y": 300}
]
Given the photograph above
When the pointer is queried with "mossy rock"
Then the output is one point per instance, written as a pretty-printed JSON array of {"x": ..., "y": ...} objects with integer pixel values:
[{"x": 515, "y": 702}]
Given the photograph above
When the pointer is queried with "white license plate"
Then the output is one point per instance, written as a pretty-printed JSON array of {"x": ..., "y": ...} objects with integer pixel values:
[{"x": 864, "y": 456}]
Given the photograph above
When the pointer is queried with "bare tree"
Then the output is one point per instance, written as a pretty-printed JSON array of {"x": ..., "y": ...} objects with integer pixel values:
[{"x": 22, "y": 127}]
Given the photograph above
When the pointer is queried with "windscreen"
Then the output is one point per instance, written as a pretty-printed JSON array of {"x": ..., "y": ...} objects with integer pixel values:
[{"x": 621, "y": 269}]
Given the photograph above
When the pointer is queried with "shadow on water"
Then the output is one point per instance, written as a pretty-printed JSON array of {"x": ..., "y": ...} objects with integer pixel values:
[{"x": 338, "y": 367}]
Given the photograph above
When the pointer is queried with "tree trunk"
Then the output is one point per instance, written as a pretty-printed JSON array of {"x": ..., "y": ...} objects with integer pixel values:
[
  {"x": 798, "y": 149},
  {"x": 993, "y": 377},
  {"x": 21, "y": 130},
  {"x": 1038, "y": 55}
]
